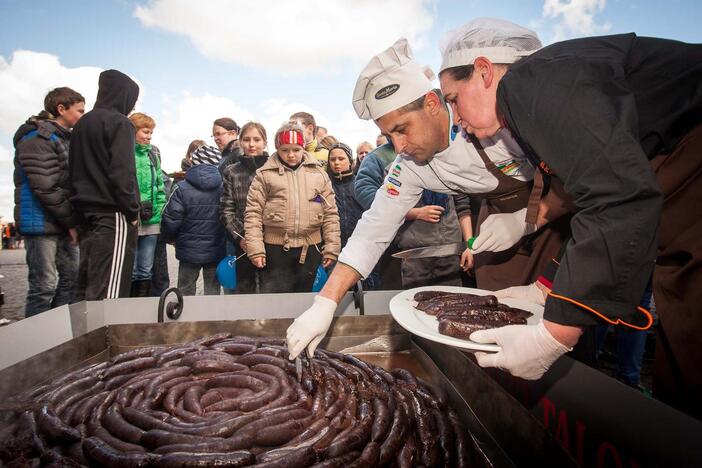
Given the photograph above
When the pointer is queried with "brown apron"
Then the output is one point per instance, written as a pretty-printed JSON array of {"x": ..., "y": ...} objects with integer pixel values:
[
  {"x": 524, "y": 262},
  {"x": 677, "y": 278}
]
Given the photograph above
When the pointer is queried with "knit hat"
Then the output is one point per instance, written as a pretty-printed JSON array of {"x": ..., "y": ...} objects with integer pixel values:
[
  {"x": 345, "y": 148},
  {"x": 206, "y": 155},
  {"x": 496, "y": 39},
  {"x": 391, "y": 79}
]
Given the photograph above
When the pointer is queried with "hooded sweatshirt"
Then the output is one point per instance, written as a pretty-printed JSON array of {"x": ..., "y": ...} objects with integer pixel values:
[{"x": 101, "y": 157}]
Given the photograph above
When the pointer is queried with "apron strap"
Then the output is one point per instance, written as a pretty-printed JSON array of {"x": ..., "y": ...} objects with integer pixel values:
[
  {"x": 535, "y": 197},
  {"x": 489, "y": 165}
]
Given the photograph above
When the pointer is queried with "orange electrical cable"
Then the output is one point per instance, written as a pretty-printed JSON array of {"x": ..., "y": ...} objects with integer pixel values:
[{"x": 604, "y": 317}]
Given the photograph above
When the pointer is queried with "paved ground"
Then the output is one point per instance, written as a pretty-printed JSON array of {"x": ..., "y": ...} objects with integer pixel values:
[{"x": 14, "y": 283}]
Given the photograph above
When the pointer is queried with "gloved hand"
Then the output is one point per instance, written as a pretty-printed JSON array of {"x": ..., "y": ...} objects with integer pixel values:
[
  {"x": 501, "y": 231},
  {"x": 529, "y": 293},
  {"x": 310, "y": 327},
  {"x": 528, "y": 351}
]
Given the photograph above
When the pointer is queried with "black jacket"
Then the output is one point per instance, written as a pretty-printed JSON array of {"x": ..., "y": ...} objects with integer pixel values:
[
  {"x": 595, "y": 110},
  {"x": 230, "y": 156},
  {"x": 101, "y": 163},
  {"x": 350, "y": 211},
  {"x": 191, "y": 217},
  {"x": 236, "y": 180},
  {"x": 42, "y": 187}
]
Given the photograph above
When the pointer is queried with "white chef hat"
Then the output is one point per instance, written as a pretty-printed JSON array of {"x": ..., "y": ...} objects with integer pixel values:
[
  {"x": 391, "y": 80},
  {"x": 496, "y": 39}
]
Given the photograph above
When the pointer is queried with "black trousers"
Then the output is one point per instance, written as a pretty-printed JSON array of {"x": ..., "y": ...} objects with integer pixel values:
[
  {"x": 247, "y": 275},
  {"x": 107, "y": 248},
  {"x": 284, "y": 272}
]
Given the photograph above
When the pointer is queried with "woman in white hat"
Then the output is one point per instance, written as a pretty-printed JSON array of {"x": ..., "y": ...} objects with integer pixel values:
[{"x": 618, "y": 120}]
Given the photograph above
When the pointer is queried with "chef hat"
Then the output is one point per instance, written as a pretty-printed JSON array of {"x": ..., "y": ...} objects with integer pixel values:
[
  {"x": 391, "y": 80},
  {"x": 496, "y": 39}
]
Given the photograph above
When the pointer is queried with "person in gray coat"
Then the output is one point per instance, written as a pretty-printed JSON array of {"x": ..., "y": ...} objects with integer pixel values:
[{"x": 433, "y": 221}]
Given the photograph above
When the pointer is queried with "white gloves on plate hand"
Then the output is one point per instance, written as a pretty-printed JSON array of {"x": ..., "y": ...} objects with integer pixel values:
[
  {"x": 310, "y": 327},
  {"x": 501, "y": 231},
  {"x": 528, "y": 351},
  {"x": 528, "y": 293}
]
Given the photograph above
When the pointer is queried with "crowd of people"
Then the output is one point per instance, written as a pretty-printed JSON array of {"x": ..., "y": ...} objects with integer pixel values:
[
  {"x": 565, "y": 169},
  {"x": 285, "y": 216}
]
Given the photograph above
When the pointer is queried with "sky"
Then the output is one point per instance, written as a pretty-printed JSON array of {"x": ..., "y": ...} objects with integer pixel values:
[{"x": 261, "y": 60}]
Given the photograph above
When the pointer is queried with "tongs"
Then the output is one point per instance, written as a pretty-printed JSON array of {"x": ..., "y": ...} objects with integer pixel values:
[{"x": 298, "y": 365}]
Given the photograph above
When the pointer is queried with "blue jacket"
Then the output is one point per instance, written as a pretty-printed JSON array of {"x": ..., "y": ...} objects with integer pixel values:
[
  {"x": 191, "y": 217},
  {"x": 41, "y": 179}
]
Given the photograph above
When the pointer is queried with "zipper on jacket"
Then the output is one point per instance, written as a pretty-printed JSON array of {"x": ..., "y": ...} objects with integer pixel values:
[{"x": 297, "y": 202}]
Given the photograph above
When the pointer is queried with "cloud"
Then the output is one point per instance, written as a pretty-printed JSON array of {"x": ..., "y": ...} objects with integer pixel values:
[
  {"x": 575, "y": 18},
  {"x": 292, "y": 37},
  {"x": 29, "y": 75},
  {"x": 187, "y": 117}
]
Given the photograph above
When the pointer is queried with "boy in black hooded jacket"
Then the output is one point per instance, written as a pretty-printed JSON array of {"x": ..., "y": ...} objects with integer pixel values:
[{"x": 104, "y": 189}]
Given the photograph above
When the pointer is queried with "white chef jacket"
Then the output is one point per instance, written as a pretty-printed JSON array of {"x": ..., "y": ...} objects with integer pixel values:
[{"x": 457, "y": 169}]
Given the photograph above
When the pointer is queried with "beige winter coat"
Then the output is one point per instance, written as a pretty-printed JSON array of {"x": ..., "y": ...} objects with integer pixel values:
[{"x": 292, "y": 209}]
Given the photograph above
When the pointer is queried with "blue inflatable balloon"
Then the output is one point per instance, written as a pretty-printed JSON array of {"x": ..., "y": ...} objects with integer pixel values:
[{"x": 226, "y": 272}]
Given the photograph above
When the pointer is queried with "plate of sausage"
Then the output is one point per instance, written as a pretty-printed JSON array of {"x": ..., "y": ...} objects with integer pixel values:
[{"x": 449, "y": 314}]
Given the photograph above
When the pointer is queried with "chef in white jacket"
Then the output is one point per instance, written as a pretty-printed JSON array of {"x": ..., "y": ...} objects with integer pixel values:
[{"x": 397, "y": 93}]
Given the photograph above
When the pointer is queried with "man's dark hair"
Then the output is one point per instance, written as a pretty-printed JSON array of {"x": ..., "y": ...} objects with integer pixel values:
[
  {"x": 306, "y": 119},
  {"x": 418, "y": 103},
  {"x": 61, "y": 96},
  {"x": 226, "y": 122}
]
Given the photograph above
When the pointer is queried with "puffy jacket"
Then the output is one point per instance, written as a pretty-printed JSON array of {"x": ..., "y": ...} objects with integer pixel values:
[
  {"x": 191, "y": 217},
  {"x": 236, "y": 181},
  {"x": 150, "y": 181},
  {"x": 42, "y": 187},
  {"x": 350, "y": 211},
  {"x": 293, "y": 208}
]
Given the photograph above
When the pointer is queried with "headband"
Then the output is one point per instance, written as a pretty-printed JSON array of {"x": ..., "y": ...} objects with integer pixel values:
[{"x": 289, "y": 137}]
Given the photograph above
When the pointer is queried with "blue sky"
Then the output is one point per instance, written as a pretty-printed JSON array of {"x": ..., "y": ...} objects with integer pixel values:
[{"x": 263, "y": 59}]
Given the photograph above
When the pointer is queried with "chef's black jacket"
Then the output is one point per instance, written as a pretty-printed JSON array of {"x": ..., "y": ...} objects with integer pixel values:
[{"x": 595, "y": 110}]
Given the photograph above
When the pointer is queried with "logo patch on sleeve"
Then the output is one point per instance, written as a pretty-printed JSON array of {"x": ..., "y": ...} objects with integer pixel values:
[
  {"x": 392, "y": 190},
  {"x": 392, "y": 180}
]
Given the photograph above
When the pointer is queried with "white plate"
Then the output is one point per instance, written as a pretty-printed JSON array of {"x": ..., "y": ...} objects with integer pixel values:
[{"x": 402, "y": 308}]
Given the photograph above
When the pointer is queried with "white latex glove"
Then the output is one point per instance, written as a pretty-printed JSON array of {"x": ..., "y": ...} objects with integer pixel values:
[
  {"x": 310, "y": 327},
  {"x": 527, "y": 350},
  {"x": 501, "y": 231},
  {"x": 529, "y": 293}
]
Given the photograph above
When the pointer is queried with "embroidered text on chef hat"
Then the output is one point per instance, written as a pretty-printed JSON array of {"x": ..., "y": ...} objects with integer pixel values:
[
  {"x": 495, "y": 39},
  {"x": 391, "y": 80}
]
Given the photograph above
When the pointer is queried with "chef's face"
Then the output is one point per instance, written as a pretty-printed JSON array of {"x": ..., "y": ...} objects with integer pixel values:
[
  {"x": 473, "y": 100},
  {"x": 417, "y": 133}
]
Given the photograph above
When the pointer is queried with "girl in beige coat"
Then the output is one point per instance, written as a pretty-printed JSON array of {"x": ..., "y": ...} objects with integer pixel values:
[{"x": 291, "y": 220}]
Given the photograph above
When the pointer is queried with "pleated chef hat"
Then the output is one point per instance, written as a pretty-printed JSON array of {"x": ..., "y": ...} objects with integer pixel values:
[
  {"x": 496, "y": 39},
  {"x": 391, "y": 80}
]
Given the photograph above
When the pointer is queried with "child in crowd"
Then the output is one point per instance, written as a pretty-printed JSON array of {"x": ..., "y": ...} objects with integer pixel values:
[
  {"x": 191, "y": 220},
  {"x": 237, "y": 180},
  {"x": 152, "y": 200},
  {"x": 291, "y": 209},
  {"x": 339, "y": 170}
]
